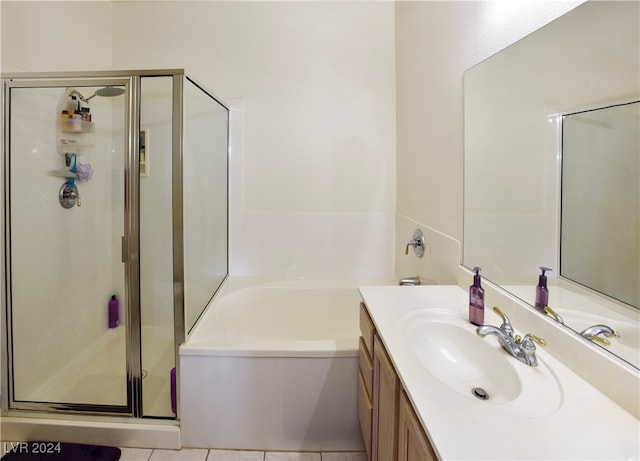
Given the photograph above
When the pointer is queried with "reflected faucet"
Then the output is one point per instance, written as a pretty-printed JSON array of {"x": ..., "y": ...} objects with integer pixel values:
[
  {"x": 594, "y": 331},
  {"x": 554, "y": 315},
  {"x": 523, "y": 349}
]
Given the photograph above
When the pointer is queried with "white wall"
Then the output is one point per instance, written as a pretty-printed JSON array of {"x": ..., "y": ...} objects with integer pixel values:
[
  {"x": 55, "y": 36},
  {"x": 435, "y": 43},
  {"x": 312, "y": 88}
]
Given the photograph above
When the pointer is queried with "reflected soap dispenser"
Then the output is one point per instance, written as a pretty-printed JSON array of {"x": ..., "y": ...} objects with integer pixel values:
[
  {"x": 542, "y": 292},
  {"x": 476, "y": 300}
]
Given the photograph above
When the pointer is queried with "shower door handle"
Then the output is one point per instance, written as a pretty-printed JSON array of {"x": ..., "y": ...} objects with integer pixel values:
[{"x": 125, "y": 249}]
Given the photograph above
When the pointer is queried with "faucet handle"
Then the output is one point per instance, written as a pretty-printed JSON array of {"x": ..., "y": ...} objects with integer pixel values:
[
  {"x": 417, "y": 242},
  {"x": 506, "y": 323},
  {"x": 598, "y": 339},
  {"x": 529, "y": 337},
  {"x": 528, "y": 348}
]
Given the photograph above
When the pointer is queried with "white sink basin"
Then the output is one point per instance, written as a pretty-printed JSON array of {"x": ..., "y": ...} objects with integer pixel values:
[
  {"x": 459, "y": 360},
  {"x": 448, "y": 349}
]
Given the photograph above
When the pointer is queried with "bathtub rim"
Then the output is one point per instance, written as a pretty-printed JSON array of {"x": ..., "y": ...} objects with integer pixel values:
[{"x": 267, "y": 347}]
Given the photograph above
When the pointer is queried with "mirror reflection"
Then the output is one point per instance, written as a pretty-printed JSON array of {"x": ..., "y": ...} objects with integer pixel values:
[
  {"x": 514, "y": 107},
  {"x": 599, "y": 233}
]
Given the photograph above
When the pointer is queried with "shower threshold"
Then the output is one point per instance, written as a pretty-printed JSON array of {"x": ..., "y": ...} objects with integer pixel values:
[{"x": 97, "y": 376}]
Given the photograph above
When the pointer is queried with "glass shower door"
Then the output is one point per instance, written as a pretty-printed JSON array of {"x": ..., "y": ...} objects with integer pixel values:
[{"x": 65, "y": 222}]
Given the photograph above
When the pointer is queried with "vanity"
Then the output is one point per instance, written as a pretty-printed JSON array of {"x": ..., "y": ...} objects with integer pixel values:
[
  {"x": 550, "y": 131},
  {"x": 431, "y": 388}
]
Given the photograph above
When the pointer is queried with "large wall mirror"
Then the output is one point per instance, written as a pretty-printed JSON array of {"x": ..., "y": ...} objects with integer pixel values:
[{"x": 552, "y": 167}]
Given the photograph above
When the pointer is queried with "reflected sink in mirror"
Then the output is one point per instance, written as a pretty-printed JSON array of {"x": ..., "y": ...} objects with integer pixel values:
[
  {"x": 448, "y": 349},
  {"x": 580, "y": 310}
]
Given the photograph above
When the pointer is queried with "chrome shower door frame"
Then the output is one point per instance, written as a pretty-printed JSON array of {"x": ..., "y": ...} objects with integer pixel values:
[{"x": 130, "y": 240}]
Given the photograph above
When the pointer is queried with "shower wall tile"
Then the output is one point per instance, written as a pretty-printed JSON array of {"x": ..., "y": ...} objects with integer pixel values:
[
  {"x": 115, "y": 434},
  {"x": 312, "y": 244},
  {"x": 302, "y": 243}
]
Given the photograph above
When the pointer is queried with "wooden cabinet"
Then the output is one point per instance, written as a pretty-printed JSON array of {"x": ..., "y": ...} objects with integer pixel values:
[
  {"x": 390, "y": 428},
  {"x": 413, "y": 444},
  {"x": 365, "y": 389},
  {"x": 386, "y": 392}
]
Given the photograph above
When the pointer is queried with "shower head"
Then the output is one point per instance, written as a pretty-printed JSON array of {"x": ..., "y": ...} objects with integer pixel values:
[{"x": 106, "y": 92}]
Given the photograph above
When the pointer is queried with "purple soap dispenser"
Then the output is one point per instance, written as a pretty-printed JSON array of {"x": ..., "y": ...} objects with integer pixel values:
[
  {"x": 476, "y": 300},
  {"x": 114, "y": 308},
  {"x": 542, "y": 292}
]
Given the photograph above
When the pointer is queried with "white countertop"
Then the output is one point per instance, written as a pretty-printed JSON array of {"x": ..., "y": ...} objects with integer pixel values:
[{"x": 578, "y": 423}]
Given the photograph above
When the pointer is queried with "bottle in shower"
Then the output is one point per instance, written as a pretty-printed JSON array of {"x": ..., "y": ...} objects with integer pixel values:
[
  {"x": 114, "y": 308},
  {"x": 476, "y": 300},
  {"x": 173, "y": 388}
]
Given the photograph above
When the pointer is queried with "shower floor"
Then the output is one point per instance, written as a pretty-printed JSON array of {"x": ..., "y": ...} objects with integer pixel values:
[{"x": 99, "y": 375}]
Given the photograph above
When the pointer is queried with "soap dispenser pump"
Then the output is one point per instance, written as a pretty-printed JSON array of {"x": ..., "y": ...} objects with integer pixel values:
[
  {"x": 542, "y": 292},
  {"x": 476, "y": 300}
]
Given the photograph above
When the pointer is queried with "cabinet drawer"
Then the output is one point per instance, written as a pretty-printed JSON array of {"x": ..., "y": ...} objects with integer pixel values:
[
  {"x": 365, "y": 415},
  {"x": 365, "y": 362},
  {"x": 366, "y": 328}
]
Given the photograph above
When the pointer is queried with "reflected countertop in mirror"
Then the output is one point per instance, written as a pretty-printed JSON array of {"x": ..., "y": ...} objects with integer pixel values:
[
  {"x": 514, "y": 103},
  {"x": 581, "y": 309}
]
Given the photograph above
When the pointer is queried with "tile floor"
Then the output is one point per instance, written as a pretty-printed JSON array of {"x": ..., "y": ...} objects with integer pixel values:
[{"x": 201, "y": 454}]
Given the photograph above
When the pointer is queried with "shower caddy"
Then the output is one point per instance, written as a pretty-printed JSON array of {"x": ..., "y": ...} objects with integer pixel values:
[{"x": 73, "y": 126}]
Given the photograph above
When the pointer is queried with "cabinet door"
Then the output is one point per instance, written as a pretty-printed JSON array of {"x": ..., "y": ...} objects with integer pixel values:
[
  {"x": 386, "y": 392},
  {"x": 365, "y": 415},
  {"x": 413, "y": 444}
]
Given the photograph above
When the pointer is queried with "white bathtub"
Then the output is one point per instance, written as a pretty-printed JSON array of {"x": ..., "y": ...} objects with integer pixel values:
[{"x": 273, "y": 366}]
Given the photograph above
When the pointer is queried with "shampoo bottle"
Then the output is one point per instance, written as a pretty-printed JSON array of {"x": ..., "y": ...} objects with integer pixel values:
[
  {"x": 173, "y": 388},
  {"x": 542, "y": 292},
  {"x": 113, "y": 312},
  {"x": 476, "y": 300}
]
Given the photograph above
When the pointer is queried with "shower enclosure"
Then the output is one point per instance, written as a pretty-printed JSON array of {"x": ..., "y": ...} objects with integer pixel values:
[{"x": 114, "y": 233}]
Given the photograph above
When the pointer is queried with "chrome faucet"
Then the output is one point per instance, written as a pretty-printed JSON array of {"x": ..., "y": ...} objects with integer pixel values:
[
  {"x": 594, "y": 331},
  {"x": 523, "y": 349},
  {"x": 411, "y": 281}
]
